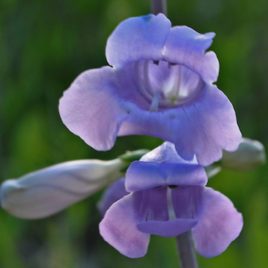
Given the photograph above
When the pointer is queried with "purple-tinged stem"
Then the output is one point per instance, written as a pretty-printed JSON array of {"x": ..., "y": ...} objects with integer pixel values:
[
  {"x": 159, "y": 6},
  {"x": 186, "y": 250}
]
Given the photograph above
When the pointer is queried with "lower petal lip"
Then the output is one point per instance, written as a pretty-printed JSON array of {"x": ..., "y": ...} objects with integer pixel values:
[{"x": 170, "y": 228}]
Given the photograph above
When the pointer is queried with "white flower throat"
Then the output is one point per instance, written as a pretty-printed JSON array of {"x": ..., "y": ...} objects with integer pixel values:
[{"x": 166, "y": 85}]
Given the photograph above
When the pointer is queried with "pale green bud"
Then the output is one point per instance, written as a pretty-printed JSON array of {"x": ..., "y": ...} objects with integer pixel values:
[
  {"x": 250, "y": 154},
  {"x": 47, "y": 191}
]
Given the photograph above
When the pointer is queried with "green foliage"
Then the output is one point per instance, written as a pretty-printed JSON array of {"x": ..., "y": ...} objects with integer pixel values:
[{"x": 44, "y": 45}]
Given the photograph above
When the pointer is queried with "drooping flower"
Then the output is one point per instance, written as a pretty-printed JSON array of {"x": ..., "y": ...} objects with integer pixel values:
[
  {"x": 160, "y": 84},
  {"x": 168, "y": 197}
]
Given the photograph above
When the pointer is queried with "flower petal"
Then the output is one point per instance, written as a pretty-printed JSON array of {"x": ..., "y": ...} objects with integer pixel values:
[
  {"x": 219, "y": 225},
  {"x": 152, "y": 206},
  {"x": 186, "y": 46},
  {"x": 118, "y": 228},
  {"x": 90, "y": 109},
  {"x": 203, "y": 127},
  {"x": 45, "y": 192},
  {"x": 170, "y": 228},
  {"x": 146, "y": 175},
  {"x": 166, "y": 152},
  {"x": 137, "y": 38},
  {"x": 208, "y": 126},
  {"x": 113, "y": 193},
  {"x": 187, "y": 201}
]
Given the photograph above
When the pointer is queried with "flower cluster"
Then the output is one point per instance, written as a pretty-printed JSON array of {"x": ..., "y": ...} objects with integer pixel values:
[{"x": 159, "y": 83}]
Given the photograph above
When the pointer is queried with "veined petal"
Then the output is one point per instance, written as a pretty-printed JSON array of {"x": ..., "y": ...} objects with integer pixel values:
[
  {"x": 90, "y": 109},
  {"x": 208, "y": 126},
  {"x": 188, "y": 201},
  {"x": 153, "y": 207},
  {"x": 187, "y": 47},
  {"x": 143, "y": 176},
  {"x": 137, "y": 38},
  {"x": 201, "y": 128},
  {"x": 146, "y": 175},
  {"x": 219, "y": 224},
  {"x": 45, "y": 192},
  {"x": 113, "y": 193},
  {"x": 119, "y": 229}
]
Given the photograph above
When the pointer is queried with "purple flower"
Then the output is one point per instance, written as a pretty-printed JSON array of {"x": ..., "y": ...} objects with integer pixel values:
[
  {"x": 168, "y": 197},
  {"x": 160, "y": 84}
]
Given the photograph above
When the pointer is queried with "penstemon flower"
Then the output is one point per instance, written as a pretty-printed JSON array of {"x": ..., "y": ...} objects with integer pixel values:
[
  {"x": 167, "y": 197},
  {"x": 160, "y": 83}
]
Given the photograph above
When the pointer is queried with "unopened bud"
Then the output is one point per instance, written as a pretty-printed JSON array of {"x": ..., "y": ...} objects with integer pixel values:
[
  {"x": 47, "y": 191},
  {"x": 212, "y": 171},
  {"x": 250, "y": 154}
]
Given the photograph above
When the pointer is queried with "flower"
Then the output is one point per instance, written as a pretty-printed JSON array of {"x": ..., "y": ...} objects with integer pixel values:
[
  {"x": 160, "y": 84},
  {"x": 47, "y": 191},
  {"x": 168, "y": 197}
]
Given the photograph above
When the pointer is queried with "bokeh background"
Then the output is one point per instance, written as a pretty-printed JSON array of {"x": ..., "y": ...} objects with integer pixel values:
[{"x": 44, "y": 45}]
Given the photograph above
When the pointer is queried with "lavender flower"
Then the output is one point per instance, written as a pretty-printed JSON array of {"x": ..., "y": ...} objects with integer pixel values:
[
  {"x": 160, "y": 84},
  {"x": 168, "y": 197}
]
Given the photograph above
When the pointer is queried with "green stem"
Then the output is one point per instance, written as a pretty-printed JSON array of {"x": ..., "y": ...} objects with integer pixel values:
[
  {"x": 186, "y": 250},
  {"x": 130, "y": 156},
  {"x": 159, "y": 6}
]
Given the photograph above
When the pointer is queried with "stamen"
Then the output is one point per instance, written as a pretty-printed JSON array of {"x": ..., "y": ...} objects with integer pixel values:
[
  {"x": 178, "y": 83},
  {"x": 174, "y": 86},
  {"x": 171, "y": 88},
  {"x": 171, "y": 212},
  {"x": 155, "y": 102}
]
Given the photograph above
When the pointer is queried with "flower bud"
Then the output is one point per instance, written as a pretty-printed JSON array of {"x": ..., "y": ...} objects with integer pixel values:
[
  {"x": 212, "y": 171},
  {"x": 250, "y": 154},
  {"x": 47, "y": 191}
]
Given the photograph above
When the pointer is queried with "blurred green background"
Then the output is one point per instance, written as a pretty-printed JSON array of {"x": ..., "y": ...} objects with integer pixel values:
[{"x": 44, "y": 45}]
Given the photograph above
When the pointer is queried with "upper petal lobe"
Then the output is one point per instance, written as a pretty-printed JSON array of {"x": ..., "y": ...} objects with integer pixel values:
[
  {"x": 137, "y": 38},
  {"x": 187, "y": 47}
]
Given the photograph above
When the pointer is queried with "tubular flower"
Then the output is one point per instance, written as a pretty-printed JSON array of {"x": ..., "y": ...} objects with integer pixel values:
[
  {"x": 160, "y": 83},
  {"x": 167, "y": 197}
]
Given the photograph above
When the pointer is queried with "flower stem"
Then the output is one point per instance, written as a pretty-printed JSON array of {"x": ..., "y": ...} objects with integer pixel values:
[
  {"x": 159, "y": 6},
  {"x": 186, "y": 251}
]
